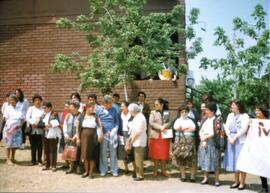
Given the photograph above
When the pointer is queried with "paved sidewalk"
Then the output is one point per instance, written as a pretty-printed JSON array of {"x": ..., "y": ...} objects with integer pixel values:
[{"x": 25, "y": 178}]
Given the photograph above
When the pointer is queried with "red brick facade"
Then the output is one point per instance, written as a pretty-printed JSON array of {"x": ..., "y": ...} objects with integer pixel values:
[{"x": 27, "y": 52}]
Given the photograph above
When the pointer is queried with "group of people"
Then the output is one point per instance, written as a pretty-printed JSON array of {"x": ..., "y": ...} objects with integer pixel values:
[{"x": 131, "y": 132}]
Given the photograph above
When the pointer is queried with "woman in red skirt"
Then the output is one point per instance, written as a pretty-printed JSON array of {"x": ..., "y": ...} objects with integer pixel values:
[{"x": 159, "y": 121}]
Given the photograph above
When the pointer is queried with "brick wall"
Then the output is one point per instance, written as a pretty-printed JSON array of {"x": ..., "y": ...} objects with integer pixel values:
[
  {"x": 28, "y": 46},
  {"x": 27, "y": 51}
]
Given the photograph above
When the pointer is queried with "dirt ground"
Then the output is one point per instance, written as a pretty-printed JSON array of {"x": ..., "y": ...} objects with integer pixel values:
[{"x": 22, "y": 177}]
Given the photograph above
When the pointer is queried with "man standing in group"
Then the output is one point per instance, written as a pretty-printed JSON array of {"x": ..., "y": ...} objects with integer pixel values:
[
  {"x": 145, "y": 109},
  {"x": 110, "y": 123}
]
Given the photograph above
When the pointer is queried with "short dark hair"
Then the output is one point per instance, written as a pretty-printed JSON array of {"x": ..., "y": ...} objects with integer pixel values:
[
  {"x": 36, "y": 96},
  {"x": 47, "y": 104},
  {"x": 125, "y": 103},
  {"x": 94, "y": 96},
  {"x": 77, "y": 95},
  {"x": 164, "y": 102},
  {"x": 263, "y": 109},
  {"x": 116, "y": 95},
  {"x": 189, "y": 101},
  {"x": 239, "y": 104},
  {"x": 183, "y": 107},
  {"x": 141, "y": 92},
  {"x": 7, "y": 94},
  {"x": 211, "y": 106},
  {"x": 75, "y": 104}
]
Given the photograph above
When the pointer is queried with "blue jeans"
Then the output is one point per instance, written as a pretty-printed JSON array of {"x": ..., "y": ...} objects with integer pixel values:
[{"x": 103, "y": 158}]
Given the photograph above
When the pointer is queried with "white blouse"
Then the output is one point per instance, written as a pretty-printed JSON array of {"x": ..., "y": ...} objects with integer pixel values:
[
  {"x": 138, "y": 127},
  {"x": 33, "y": 115},
  {"x": 125, "y": 121},
  {"x": 183, "y": 123},
  {"x": 89, "y": 122},
  {"x": 208, "y": 126},
  {"x": 13, "y": 115}
]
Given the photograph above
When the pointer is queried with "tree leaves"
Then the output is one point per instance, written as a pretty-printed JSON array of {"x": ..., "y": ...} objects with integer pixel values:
[
  {"x": 126, "y": 44},
  {"x": 245, "y": 62}
]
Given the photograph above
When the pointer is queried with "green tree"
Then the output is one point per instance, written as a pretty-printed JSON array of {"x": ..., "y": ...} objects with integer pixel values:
[
  {"x": 244, "y": 65},
  {"x": 221, "y": 90},
  {"x": 124, "y": 43}
]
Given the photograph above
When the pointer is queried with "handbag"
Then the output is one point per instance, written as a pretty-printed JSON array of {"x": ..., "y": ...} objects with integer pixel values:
[
  {"x": 28, "y": 130},
  {"x": 70, "y": 153},
  {"x": 183, "y": 149}
]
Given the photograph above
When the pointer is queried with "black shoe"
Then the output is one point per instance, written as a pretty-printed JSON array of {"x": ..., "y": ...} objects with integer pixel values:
[
  {"x": 234, "y": 185},
  {"x": 204, "y": 182},
  {"x": 85, "y": 175},
  {"x": 138, "y": 179},
  {"x": 183, "y": 179},
  {"x": 263, "y": 190},
  {"x": 134, "y": 175},
  {"x": 33, "y": 163},
  {"x": 241, "y": 188},
  {"x": 91, "y": 176},
  {"x": 192, "y": 180},
  {"x": 68, "y": 171},
  {"x": 44, "y": 169},
  {"x": 217, "y": 184}
]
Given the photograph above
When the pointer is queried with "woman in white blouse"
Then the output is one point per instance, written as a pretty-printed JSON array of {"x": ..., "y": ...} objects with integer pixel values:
[
  {"x": 33, "y": 117},
  {"x": 23, "y": 105},
  {"x": 209, "y": 155},
  {"x": 12, "y": 130},
  {"x": 123, "y": 134},
  {"x": 89, "y": 130},
  {"x": 52, "y": 135},
  {"x": 236, "y": 128},
  {"x": 185, "y": 129},
  {"x": 138, "y": 138}
]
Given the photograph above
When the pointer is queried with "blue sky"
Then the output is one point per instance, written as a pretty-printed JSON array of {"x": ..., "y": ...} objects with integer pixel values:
[{"x": 214, "y": 13}]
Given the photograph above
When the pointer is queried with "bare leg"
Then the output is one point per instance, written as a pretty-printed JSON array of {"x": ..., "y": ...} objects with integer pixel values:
[
  {"x": 92, "y": 166},
  {"x": 163, "y": 169},
  {"x": 155, "y": 167},
  {"x": 126, "y": 167},
  {"x": 86, "y": 166},
  {"x": 182, "y": 171},
  {"x": 13, "y": 151},
  {"x": 193, "y": 169},
  {"x": 236, "y": 179},
  {"x": 217, "y": 177},
  {"x": 205, "y": 179},
  {"x": 242, "y": 179},
  {"x": 8, "y": 152}
]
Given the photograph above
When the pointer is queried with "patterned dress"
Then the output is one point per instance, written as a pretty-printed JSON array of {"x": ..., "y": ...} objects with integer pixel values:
[
  {"x": 12, "y": 136},
  {"x": 209, "y": 156}
]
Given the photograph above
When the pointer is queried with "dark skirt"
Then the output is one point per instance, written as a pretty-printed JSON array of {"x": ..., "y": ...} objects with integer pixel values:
[
  {"x": 122, "y": 154},
  {"x": 88, "y": 144}
]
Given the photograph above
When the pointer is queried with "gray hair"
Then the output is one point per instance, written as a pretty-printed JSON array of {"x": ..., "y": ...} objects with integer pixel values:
[
  {"x": 134, "y": 108},
  {"x": 13, "y": 96},
  {"x": 107, "y": 99}
]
